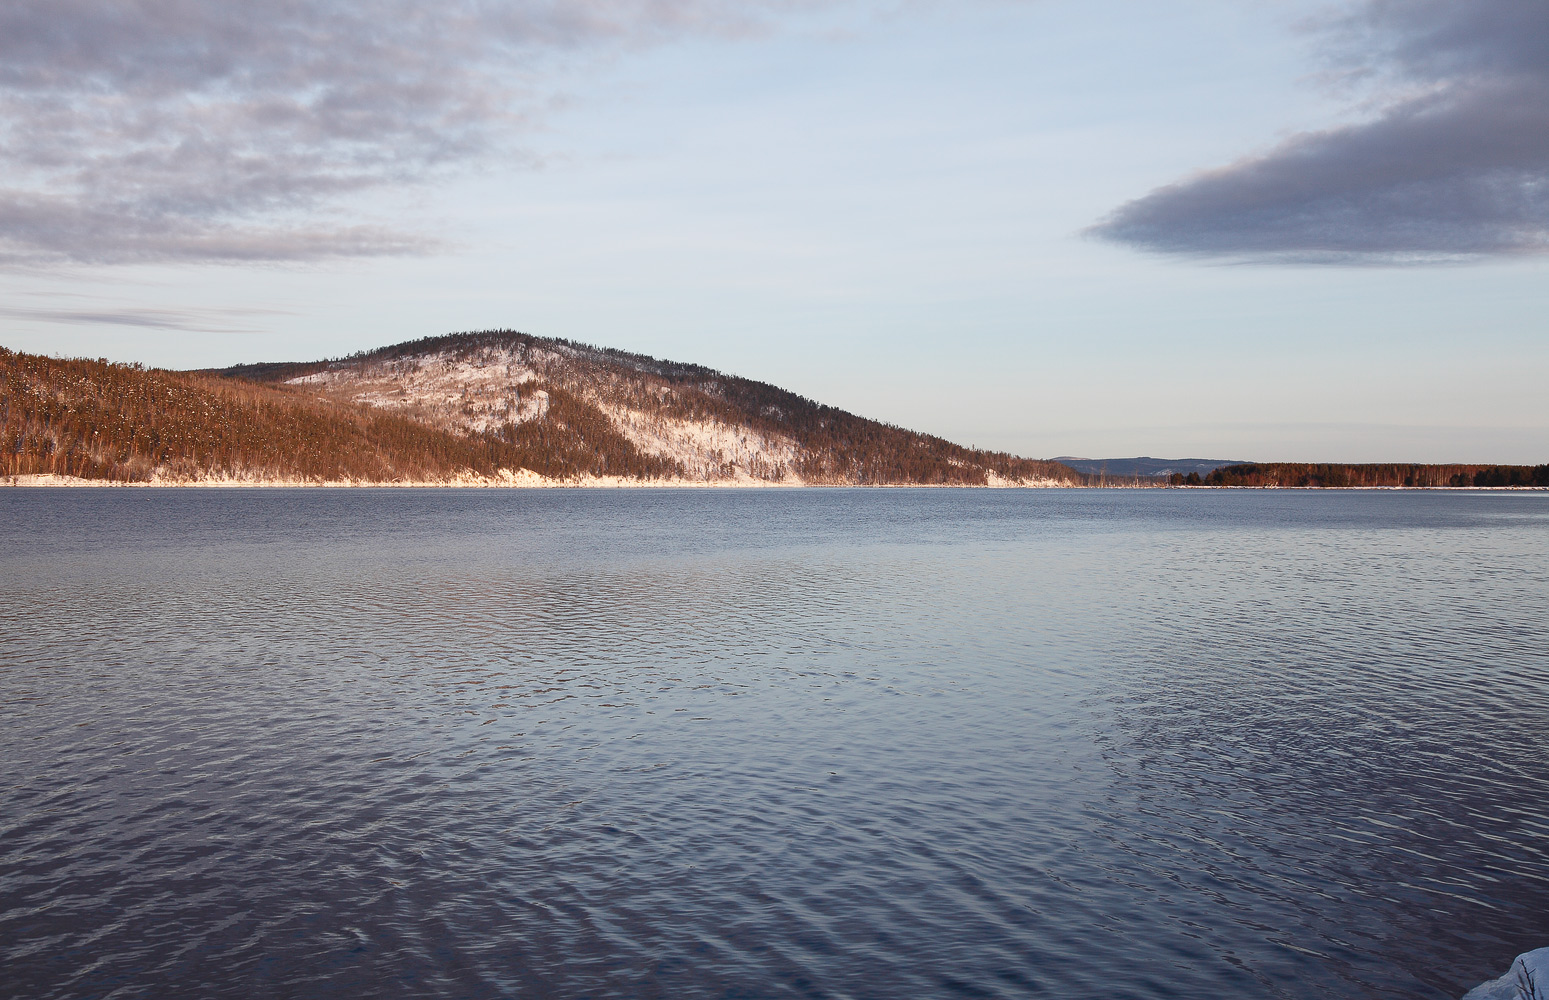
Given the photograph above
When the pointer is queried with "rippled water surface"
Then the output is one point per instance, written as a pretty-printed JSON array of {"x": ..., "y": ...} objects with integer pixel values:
[{"x": 771, "y": 743}]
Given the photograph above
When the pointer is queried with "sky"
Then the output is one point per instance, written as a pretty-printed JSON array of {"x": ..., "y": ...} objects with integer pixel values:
[{"x": 1281, "y": 231}]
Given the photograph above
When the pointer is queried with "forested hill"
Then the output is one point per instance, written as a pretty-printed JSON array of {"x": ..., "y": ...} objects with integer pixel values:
[
  {"x": 496, "y": 407},
  {"x": 97, "y": 420},
  {"x": 703, "y": 425}
]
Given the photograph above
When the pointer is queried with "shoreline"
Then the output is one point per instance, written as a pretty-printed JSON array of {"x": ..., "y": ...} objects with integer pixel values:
[
  {"x": 527, "y": 480},
  {"x": 530, "y": 480}
]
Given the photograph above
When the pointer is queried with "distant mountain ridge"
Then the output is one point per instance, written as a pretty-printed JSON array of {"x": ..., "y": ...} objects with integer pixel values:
[
  {"x": 495, "y": 407},
  {"x": 1144, "y": 466}
]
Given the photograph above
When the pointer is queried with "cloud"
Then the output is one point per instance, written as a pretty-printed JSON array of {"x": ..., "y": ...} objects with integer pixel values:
[
  {"x": 200, "y": 130},
  {"x": 1454, "y": 165},
  {"x": 183, "y": 320}
]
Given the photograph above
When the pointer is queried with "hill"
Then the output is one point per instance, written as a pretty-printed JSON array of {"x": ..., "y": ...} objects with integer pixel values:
[
  {"x": 124, "y": 423},
  {"x": 497, "y": 407}
]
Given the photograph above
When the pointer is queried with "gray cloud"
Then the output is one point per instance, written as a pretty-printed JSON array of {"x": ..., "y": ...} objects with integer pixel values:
[
  {"x": 1454, "y": 165},
  {"x": 184, "y": 320},
  {"x": 146, "y": 130}
]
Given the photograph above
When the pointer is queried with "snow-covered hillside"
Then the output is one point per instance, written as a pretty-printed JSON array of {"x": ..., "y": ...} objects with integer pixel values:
[
  {"x": 474, "y": 394},
  {"x": 687, "y": 422},
  {"x": 488, "y": 388}
]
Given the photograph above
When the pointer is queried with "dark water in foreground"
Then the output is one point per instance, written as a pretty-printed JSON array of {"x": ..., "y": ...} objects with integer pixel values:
[{"x": 764, "y": 744}]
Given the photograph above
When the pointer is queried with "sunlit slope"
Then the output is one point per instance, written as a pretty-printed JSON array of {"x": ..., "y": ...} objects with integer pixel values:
[
  {"x": 97, "y": 420},
  {"x": 709, "y": 426},
  {"x": 495, "y": 407}
]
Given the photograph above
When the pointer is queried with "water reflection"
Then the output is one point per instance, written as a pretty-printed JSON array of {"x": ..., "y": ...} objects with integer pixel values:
[{"x": 840, "y": 743}]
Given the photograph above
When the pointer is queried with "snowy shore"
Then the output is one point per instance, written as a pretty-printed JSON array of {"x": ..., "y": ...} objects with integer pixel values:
[
  {"x": 1527, "y": 979},
  {"x": 524, "y": 479}
]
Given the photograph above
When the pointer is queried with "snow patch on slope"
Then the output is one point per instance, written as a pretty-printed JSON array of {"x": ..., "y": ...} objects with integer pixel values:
[
  {"x": 489, "y": 388},
  {"x": 485, "y": 390},
  {"x": 707, "y": 449},
  {"x": 470, "y": 394}
]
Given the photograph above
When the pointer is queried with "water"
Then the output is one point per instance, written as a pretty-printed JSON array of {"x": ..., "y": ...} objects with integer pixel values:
[{"x": 838, "y": 743}]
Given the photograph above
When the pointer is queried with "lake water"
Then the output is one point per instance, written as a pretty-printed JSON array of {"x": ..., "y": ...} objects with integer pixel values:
[{"x": 825, "y": 743}]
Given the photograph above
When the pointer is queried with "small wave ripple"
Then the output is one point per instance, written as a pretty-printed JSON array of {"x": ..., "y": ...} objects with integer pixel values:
[{"x": 771, "y": 744}]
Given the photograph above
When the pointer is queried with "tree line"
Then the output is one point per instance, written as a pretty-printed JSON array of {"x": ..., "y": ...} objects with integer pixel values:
[{"x": 1295, "y": 475}]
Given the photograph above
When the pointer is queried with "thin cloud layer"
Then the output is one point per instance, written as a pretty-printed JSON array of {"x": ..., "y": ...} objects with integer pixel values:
[
  {"x": 1455, "y": 166},
  {"x": 185, "y": 321},
  {"x": 199, "y": 130}
]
